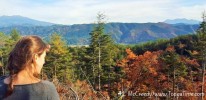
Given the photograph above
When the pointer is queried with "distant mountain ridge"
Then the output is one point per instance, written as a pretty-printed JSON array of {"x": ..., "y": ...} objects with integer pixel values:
[
  {"x": 181, "y": 21},
  {"x": 19, "y": 20},
  {"x": 78, "y": 34},
  {"x": 126, "y": 33}
]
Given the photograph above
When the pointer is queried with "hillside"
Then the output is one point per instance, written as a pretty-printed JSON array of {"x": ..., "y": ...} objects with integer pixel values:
[
  {"x": 78, "y": 34},
  {"x": 124, "y": 33}
]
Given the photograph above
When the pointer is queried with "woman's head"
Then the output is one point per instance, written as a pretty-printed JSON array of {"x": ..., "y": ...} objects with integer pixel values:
[{"x": 28, "y": 54}]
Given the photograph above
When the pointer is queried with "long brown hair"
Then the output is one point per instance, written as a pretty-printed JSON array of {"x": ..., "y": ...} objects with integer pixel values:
[{"x": 21, "y": 57}]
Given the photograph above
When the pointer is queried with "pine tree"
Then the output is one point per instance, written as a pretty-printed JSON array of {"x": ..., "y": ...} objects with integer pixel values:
[
  {"x": 3, "y": 52},
  {"x": 6, "y": 45},
  {"x": 102, "y": 53},
  {"x": 173, "y": 66},
  {"x": 201, "y": 49},
  {"x": 58, "y": 60},
  {"x": 15, "y": 35},
  {"x": 95, "y": 50},
  {"x": 80, "y": 60}
]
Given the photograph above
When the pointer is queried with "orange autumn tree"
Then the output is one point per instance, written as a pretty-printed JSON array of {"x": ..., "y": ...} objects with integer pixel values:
[
  {"x": 149, "y": 73},
  {"x": 141, "y": 71}
]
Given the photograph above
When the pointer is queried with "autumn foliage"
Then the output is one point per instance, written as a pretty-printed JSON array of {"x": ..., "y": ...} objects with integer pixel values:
[
  {"x": 79, "y": 90},
  {"x": 160, "y": 72}
]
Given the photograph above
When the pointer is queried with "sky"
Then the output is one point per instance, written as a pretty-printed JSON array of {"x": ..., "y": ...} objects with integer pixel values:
[{"x": 85, "y": 11}]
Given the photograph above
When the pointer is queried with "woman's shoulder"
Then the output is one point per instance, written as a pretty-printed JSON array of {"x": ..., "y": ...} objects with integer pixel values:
[
  {"x": 48, "y": 84},
  {"x": 45, "y": 82},
  {"x": 53, "y": 95},
  {"x": 43, "y": 86}
]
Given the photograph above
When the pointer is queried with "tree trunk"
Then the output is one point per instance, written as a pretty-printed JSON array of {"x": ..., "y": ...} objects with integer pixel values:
[
  {"x": 93, "y": 76},
  {"x": 173, "y": 88},
  {"x": 203, "y": 79},
  {"x": 168, "y": 78},
  {"x": 55, "y": 75},
  {"x": 99, "y": 68}
]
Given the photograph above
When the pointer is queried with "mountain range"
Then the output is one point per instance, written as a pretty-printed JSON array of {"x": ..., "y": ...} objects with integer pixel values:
[
  {"x": 6, "y": 21},
  {"x": 125, "y": 33},
  {"x": 181, "y": 21}
]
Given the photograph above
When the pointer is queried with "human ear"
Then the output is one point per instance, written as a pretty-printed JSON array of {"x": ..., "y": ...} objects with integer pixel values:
[{"x": 35, "y": 58}]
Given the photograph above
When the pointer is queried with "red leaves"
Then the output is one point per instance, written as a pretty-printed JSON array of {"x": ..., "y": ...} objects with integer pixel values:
[
  {"x": 147, "y": 72},
  {"x": 130, "y": 54},
  {"x": 170, "y": 49},
  {"x": 140, "y": 69},
  {"x": 192, "y": 62},
  {"x": 153, "y": 71}
]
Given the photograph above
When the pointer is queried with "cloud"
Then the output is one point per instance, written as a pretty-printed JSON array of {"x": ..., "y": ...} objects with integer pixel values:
[{"x": 85, "y": 11}]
